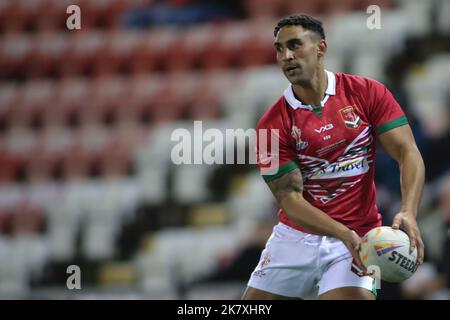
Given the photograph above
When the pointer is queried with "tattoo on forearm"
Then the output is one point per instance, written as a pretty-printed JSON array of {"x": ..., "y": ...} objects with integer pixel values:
[{"x": 290, "y": 182}]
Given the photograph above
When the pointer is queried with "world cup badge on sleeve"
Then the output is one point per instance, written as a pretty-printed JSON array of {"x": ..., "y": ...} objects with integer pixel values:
[{"x": 297, "y": 134}]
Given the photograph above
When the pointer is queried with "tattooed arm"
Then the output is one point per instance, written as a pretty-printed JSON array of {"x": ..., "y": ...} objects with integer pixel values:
[{"x": 288, "y": 191}]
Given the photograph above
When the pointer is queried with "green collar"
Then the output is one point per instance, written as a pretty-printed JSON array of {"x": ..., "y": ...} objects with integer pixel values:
[{"x": 317, "y": 110}]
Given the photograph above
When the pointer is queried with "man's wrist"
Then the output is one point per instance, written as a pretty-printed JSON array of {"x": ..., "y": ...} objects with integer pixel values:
[
  {"x": 409, "y": 212},
  {"x": 342, "y": 232}
]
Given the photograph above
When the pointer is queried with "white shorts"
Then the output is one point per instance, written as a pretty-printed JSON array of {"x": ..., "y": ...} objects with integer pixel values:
[{"x": 302, "y": 265}]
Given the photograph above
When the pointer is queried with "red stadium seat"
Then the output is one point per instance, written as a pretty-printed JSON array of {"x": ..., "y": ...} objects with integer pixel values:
[
  {"x": 15, "y": 17},
  {"x": 26, "y": 219},
  {"x": 51, "y": 15},
  {"x": 68, "y": 103},
  {"x": 207, "y": 99},
  {"x": 136, "y": 104},
  {"x": 115, "y": 160},
  {"x": 5, "y": 219},
  {"x": 49, "y": 53},
  {"x": 84, "y": 47},
  {"x": 188, "y": 52},
  {"x": 330, "y": 7},
  {"x": 15, "y": 51},
  {"x": 90, "y": 143},
  {"x": 106, "y": 93},
  {"x": 35, "y": 96},
  {"x": 20, "y": 141},
  {"x": 221, "y": 51},
  {"x": 311, "y": 7},
  {"x": 77, "y": 164},
  {"x": 262, "y": 8},
  {"x": 43, "y": 162},
  {"x": 171, "y": 102},
  {"x": 41, "y": 166},
  {"x": 150, "y": 53},
  {"x": 116, "y": 54},
  {"x": 9, "y": 94},
  {"x": 9, "y": 167},
  {"x": 257, "y": 48}
]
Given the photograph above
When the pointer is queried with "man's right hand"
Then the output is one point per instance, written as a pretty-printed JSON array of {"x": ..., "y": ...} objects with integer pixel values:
[{"x": 353, "y": 243}]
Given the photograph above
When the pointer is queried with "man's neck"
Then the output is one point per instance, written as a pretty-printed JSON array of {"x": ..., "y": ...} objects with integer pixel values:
[{"x": 312, "y": 93}]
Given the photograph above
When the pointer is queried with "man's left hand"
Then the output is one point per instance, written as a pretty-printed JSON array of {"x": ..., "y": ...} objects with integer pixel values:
[{"x": 408, "y": 222}]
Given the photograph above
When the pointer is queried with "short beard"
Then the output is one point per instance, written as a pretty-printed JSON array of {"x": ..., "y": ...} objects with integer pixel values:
[{"x": 302, "y": 83}]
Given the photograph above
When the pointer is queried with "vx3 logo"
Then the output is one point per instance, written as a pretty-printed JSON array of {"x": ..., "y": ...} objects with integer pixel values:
[{"x": 324, "y": 128}]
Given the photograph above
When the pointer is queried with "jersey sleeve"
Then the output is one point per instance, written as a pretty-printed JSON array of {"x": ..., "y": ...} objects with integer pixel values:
[
  {"x": 274, "y": 154},
  {"x": 384, "y": 111}
]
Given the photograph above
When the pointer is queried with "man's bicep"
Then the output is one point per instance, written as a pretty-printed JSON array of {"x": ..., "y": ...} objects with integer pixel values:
[
  {"x": 396, "y": 140},
  {"x": 287, "y": 184}
]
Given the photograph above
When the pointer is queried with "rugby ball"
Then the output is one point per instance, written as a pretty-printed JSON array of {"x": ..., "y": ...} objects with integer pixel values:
[{"x": 386, "y": 250}]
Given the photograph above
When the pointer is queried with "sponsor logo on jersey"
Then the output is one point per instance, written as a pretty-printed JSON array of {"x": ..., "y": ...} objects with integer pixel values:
[
  {"x": 384, "y": 248},
  {"x": 325, "y": 181},
  {"x": 346, "y": 168},
  {"x": 297, "y": 135},
  {"x": 324, "y": 128},
  {"x": 351, "y": 119}
]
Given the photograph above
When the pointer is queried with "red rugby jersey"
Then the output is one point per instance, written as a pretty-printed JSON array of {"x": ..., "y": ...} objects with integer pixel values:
[{"x": 333, "y": 145}]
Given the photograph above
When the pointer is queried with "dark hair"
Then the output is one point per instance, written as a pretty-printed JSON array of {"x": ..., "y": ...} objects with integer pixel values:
[{"x": 307, "y": 22}]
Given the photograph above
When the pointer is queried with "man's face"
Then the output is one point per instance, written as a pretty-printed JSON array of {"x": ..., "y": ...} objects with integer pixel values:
[{"x": 298, "y": 53}]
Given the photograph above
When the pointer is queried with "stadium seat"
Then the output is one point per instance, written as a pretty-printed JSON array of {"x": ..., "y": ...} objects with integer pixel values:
[
  {"x": 5, "y": 218},
  {"x": 221, "y": 52},
  {"x": 15, "y": 16},
  {"x": 9, "y": 94},
  {"x": 115, "y": 56},
  {"x": 63, "y": 222},
  {"x": 115, "y": 160},
  {"x": 100, "y": 104},
  {"x": 49, "y": 52},
  {"x": 150, "y": 53},
  {"x": 51, "y": 15},
  {"x": 256, "y": 9},
  {"x": 13, "y": 271},
  {"x": 20, "y": 141},
  {"x": 40, "y": 166},
  {"x": 9, "y": 167},
  {"x": 26, "y": 219},
  {"x": 77, "y": 164},
  {"x": 136, "y": 103},
  {"x": 308, "y": 7},
  {"x": 207, "y": 99},
  {"x": 15, "y": 51},
  {"x": 72, "y": 94},
  {"x": 257, "y": 47},
  {"x": 171, "y": 101},
  {"x": 29, "y": 110},
  {"x": 84, "y": 46},
  {"x": 189, "y": 52}
]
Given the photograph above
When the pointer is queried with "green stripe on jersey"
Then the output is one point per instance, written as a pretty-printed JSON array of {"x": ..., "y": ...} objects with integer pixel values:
[
  {"x": 317, "y": 110},
  {"x": 392, "y": 124},
  {"x": 285, "y": 168}
]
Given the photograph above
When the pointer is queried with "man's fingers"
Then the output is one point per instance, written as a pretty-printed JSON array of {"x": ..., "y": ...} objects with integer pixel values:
[
  {"x": 420, "y": 250},
  {"x": 412, "y": 244},
  {"x": 397, "y": 223},
  {"x": 358, "y": 261}
]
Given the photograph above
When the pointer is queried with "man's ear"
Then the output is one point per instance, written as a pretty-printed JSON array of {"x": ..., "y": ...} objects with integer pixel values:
[{"x": 322, "y": 48}]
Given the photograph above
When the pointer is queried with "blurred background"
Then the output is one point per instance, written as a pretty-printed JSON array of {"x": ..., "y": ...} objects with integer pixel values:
[{"x": 85, "y": 123}]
